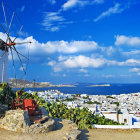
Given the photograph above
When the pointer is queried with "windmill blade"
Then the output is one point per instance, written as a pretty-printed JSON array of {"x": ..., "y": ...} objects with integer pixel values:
[
  {"x": 13, "y": 62},
  {"x": 8, "y": 37},
  {"x": 23, "y": 43},
  {"x": 3, "y": 28},
  {"x": 20, "y": 53},
  {"x": 20, "y": 61},
  {"x": 18, "y": 33},
  {"x": 11, "y": 22},
  {"x": 11, "y": 41},
  {"x": 4, "y": 15}
]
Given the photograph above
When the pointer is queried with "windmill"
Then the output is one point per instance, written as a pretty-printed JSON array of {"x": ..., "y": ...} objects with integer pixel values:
[{"x": 9, "y": 47}]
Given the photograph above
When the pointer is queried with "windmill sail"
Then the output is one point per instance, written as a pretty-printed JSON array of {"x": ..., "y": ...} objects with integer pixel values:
[
  {"x": 8, "y": 46},
  {"x": 3, "y": 62}
]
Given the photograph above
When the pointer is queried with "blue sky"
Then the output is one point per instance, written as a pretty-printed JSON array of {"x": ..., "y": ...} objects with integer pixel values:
[{"x": 78, "y": 40}]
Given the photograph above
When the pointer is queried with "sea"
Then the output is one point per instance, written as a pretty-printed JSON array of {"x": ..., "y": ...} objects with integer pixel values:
[{"x": 113, "y": 89}]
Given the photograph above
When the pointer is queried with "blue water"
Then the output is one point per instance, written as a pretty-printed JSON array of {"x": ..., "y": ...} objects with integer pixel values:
[{"x": 82, "y": 89}]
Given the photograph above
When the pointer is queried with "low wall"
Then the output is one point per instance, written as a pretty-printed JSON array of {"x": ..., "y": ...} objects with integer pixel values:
[{"x": 117, "y": 126}]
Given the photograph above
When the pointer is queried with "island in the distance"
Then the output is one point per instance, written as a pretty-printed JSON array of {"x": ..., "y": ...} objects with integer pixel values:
[
  {"x": 20, "y": 83},
  {"x": 103, "y": 85}
]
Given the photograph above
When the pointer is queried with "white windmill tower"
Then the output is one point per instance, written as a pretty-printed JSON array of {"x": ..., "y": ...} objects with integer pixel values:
[{"x": 8, "y": 46}]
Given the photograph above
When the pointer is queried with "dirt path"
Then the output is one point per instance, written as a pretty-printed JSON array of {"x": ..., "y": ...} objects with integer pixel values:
[
  {"x": 65, "y": 127},
  {"x": 108, "y": 134}
]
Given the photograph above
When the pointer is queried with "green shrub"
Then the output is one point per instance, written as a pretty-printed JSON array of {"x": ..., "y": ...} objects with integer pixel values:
[
  {"x": 6, "y": 94},
  {"x": 95, "y": 102},
  {"x": 82, "y": 117},
  {"x": 89, "y": 102},
  {"x": 110, "y": 97}
]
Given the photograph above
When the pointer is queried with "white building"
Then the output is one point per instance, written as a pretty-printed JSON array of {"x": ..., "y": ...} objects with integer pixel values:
[{"x": 3, "y": 65}]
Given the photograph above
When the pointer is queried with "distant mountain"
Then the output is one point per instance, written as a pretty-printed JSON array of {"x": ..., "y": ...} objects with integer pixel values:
[{"x": 20, "y": 83}]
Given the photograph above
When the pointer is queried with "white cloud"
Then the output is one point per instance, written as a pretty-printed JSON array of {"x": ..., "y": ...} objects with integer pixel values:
[
  {"x": 75, "y": 54},
  {"x": 24, "y": 67},
  {"x": 40, "y": 49},
  {"x": 127, "y": 41},
  {"x": 72, "y": 3},
  {"x": 54, "y": 21},
  {"x": 70, "y": 47},
  {"x": 64, "y": 75},
  {"x": 3, "y": 36},
  {"x": 134, "y": 70},
  {"x": 86, "y": 75},
  {"x": 52, "y": 63},
  {"x": 83, "y": 62},
  {"x": 113, "y": 10},
  {"x": 81, "y": 3},
  {"x": 108, "y": 76},
  {"x": 133, "y": 53},
  {"x": 22, "y": 8},
  {"x": 83, "y": 70},
  {"x": 52, "y": 1},
  {"x": 98, "y": 1},
  {"x": 128, "y": 62},
  {"x": 80, "y": 61}
]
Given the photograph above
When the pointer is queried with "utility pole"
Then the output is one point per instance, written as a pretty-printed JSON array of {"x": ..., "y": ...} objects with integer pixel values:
[{"x": 34, "y": 83}]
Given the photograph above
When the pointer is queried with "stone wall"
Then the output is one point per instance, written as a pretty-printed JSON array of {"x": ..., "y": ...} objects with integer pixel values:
[
  {"x": 16, "y": 120},
  {"x": 19, "y": 121}
]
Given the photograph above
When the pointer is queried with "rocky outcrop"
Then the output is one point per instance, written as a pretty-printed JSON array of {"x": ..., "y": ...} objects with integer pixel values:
[
  {"x": 74, "y": 133},
  {"x": 49, "y": 125},
  {"x": 19, "y": 121},
  {"x": 16, "y": 120}
]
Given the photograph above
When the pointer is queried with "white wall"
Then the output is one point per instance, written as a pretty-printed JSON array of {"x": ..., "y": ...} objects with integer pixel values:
[
  {"x": 111, "y": 116},
  {"x": 4, "y": 60},
  {"x": 122, "y": 117},
  {"x": 117, "y": 126}
]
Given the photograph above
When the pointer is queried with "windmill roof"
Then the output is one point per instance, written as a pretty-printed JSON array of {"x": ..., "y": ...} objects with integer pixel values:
[{"x": 2, "y": 47}]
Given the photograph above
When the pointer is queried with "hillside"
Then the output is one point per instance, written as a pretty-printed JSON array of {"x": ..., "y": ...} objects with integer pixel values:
[{"x": 19, "y": 83}]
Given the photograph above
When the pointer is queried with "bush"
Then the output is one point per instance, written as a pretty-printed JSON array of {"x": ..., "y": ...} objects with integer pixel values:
[
  {"x": 6, "y": 94},
  {"x": 110, "y": 97},
  {"x": 82, "y": 117},
  {"x": 95, "y": 102},
  {"x": 89, "y": 102}
]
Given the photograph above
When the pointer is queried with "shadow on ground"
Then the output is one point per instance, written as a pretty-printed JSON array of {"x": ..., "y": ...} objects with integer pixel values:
[
  {"x": 58, "y": 124},
  {"x": 84, "y": 135}
]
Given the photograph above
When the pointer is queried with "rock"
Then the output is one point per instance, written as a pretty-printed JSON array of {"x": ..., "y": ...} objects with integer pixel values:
[
  {"x": 73, "y": 135},
  {"x": 15, "y": 120},
  {"x": 19, "y": 121},
  {"x": 42, "y": 128}
]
